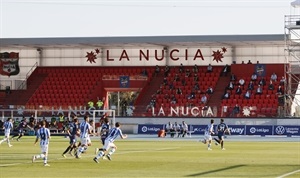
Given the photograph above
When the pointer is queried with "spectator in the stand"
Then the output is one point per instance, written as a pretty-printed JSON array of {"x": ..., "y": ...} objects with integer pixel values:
[
  {"x": 271, "y": 86},
  {"x": 279, "y": 90},
  {"x": 247, "y": 94},
  {"x": 274, "y": 77},
  {"x": 259, "y": 90},
  {"x": 242, "y": 82},
  {"x": 165, "y": 81},
  {"x": 196, "y": 78},
  {"x": 282, "y": 81},
  {"x": 238, "y": 90},
  {"x": 179, "y": 91},
  {"x": 167, "y": 70},
  {"x": 254, "y": 77},
  {"x": 157, "y": 70},
  {"x": 209, "y": 90},
  {"x": 225, "y": 70},
  {"x": 249, "y": 62},
  {"x": 195, "y": 69},
  {"x": 226, "y": 95},
  {"x": 250, "y": 85},
  {"x": 192, "y": 95},
  {"x": 232, "y": 77},
  {"x": 235, "y": 111},
  {"x": 144, "y": 73},
  {"x": 181, "y": 68},
  {"x": 183, "y": 82},
  {"x": 176, "y": 78},
  {"x": 171, "y": 85},
  {"x": 262, "y": 81},
  {"x": 173, "y": 99},
  {"x": 209, "y": 68},
  {"x": 230, "y": 85},
  {"x": 203, "y": 99},
  {"x": 187, "y": 73},
  {"x": 196, "y": 86}
]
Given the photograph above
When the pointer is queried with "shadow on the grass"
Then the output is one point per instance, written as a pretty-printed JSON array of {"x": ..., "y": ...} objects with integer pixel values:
[{"x": 216, "y": 170}]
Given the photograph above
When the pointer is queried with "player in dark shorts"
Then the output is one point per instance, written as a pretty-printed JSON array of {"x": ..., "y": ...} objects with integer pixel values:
[
  {"x": 21, "y": 129},
  {"x": 73, "y": 131},
  {"x": 104, "y": 132},
  {"x": 222, "y": 129}
]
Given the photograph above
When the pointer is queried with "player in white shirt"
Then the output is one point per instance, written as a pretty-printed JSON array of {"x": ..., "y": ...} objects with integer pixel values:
[
  {"x": 85, "y": 130},
  {"x": 7, "y": 126},
  {"x": 109, "y": 142},
  {"x": 43, "y": 134},
  {"x": 209, "y": 130}
]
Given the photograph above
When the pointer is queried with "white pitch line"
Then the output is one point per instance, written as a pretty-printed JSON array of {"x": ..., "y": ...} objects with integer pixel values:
[
  {"x": 287, "y": 174},
  {"x": 119, "y": 153}
]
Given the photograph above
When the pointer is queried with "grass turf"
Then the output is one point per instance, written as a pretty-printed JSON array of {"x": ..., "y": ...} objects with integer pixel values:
[{"x": 155, "y": 158}]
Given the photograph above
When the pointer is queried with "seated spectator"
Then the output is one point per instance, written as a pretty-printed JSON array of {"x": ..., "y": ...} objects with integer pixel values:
[
  {"x": 165, "y": 81},
  {"x": 247, "y": 94},
  {"x": 242, "y": 82},
  {"x": 196, "y": 78},
  {"x": 203, "y": 99},
  {"x": 171, "y": 85},
  {"x": 226, "y": 95},
  {"x": 181, "y": 68},
  {"x": 173, "y": 99},
  {"x": 209, "y": 90},
  {"x": 157, "y": 70},
  {"x": 144, "y": 73},
  {"x": 196, "y": 86},
  {"x": 225, "y": 70},
  {"x": 279, "y": 90},
  {"x": 238, "y": 90},
  {"x": 209, "y": 68},
  {"x": 235, "y": 110},
  {"x": 176, "y": 78},
  {"x": 230, "y": 85},
  {"x": 250, "y": 85},
  {"x": 274, "y": 77},
  {"x": 187, "y": 73},
  {"x": 232, "y": 77},
  {"x": 195, "y": 69},
  {"x": 192, "y": 95},
  {"x": 259, "y": 90},
  {"x": 271, "y": 86},
  {"x": 183, "y": 82},
  {"x": 178, "y": 91},
  {"x": 167, "y": 70},
  {"x": 254, "y": 77},
  {"x": 282, "y": 81},
  {"x": 262, "y": 81}
]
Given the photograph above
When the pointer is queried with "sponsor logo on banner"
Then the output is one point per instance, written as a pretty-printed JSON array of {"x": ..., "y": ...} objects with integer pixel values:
[
  {"x": 259, "y": 130},
  {"x": 237, "y": 129},
  {"x": 149, "y": 129},
  {"x": 9, "y": 63},
  {"x": 286, "y": 130},
  {"x": 198, "y": 129}
]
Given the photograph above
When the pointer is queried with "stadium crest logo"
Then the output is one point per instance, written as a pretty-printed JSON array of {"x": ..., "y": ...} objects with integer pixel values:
[{"x": 9, "y": 63}]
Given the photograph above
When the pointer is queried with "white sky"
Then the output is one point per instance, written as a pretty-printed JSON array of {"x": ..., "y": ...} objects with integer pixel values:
[{"x": 97, "y": 18}]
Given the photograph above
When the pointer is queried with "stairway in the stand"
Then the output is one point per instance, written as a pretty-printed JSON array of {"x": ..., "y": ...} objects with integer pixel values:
[
  {"x": 216, "y": 97},
  {"x": 146, "y": 94}
]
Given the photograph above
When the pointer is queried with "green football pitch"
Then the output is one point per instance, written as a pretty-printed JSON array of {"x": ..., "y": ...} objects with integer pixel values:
[{"x": 156, "y": 157}]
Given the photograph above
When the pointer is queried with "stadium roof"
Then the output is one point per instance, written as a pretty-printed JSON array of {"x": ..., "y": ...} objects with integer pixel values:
[{"x": 145, "y": 41}]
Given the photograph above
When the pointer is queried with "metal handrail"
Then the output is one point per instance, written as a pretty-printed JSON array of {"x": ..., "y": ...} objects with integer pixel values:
[{"x": 23, "y": 84}]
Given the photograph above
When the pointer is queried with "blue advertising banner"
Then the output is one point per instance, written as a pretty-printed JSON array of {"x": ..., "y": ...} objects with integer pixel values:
[
  {"x": 237, "y": 129},
  {"x": 259, "y": 129},
  {"x": 286, "y": 130},
  {"x": 197, "y": 129},
  {"x": 149, "y": 128},
  {"x": 124, "y": 81}
]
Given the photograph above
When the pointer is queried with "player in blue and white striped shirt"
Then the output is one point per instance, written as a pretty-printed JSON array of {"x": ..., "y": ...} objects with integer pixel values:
[
  {"x": 209, "y": 131},
  {"x": 43, "y": 134},
  {"x": 85, "y": 130},
  {"x": 109, "y": 142},
  {"x": 7, "y": 126}
]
